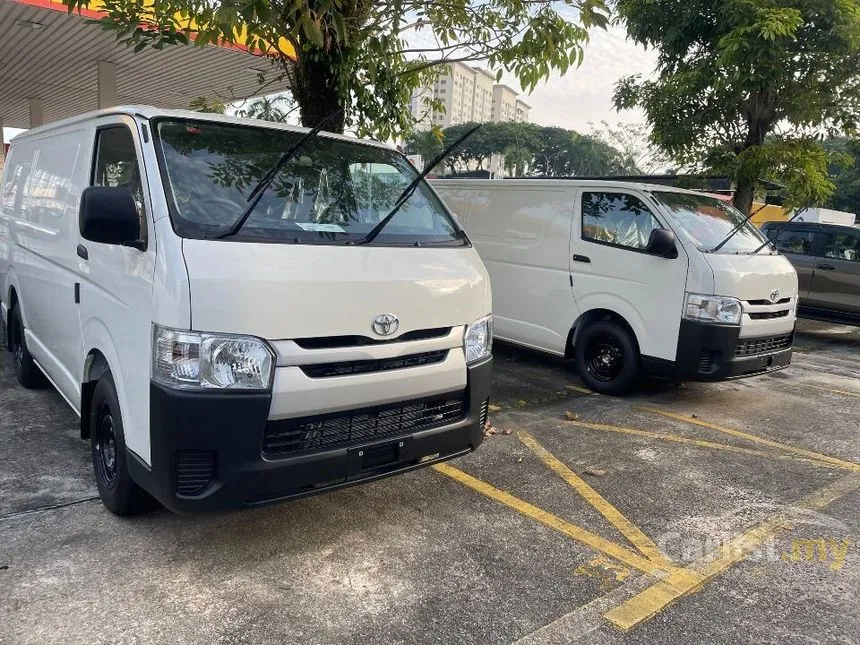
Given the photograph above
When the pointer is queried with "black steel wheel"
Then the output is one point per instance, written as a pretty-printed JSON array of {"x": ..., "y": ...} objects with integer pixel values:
[
  {"x": 105, "y": 445},
  {"x": 26, "y": 371},
  {"x": 607, "y": 357},
  {"x": 604, "y": 358},
  {"x": 119, "y": 493}
]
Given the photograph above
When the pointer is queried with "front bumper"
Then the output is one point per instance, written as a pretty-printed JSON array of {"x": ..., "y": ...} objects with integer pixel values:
[
  {"x": 217, "y": 438},
  {"x": 709, "y": 352}
]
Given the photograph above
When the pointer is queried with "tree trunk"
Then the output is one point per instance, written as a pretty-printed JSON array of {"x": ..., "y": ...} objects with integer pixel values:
[
  {"x": 315, "y": 89},
  {"x": 759, "y": 122},
  {"x": 744, "y": 195}
]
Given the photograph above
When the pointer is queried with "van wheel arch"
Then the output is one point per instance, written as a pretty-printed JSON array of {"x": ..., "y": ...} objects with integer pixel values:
[
  {"x": 13, "y": 301},
  {"x": 95, "y": 367},
  {"x": 590, "y": 317}
]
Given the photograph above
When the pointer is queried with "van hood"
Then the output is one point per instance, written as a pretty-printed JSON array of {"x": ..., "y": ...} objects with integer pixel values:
[
  {"x": 281, "y": 291},
  {"x": 752, "y": 277}
]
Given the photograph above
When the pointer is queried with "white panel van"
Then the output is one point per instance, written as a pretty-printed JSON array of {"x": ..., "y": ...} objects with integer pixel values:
[
  {"x": 624, "y": 277},
  {"x": 219, "y": 363}
]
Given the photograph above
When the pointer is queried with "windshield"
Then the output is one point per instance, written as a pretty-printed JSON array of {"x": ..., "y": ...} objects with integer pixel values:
[
  {"x": 708, "y": 221},
  {"x": 332, "y": 192}
]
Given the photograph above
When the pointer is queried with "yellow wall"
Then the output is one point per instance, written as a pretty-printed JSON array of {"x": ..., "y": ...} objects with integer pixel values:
[{"x": 769, "y": 213}]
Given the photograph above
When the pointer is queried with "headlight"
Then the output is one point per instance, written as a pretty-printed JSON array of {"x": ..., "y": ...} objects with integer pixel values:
[
  {"x": 478, "y": 340},
  {"x": 716, "y": 309},
  {"x": 197, "y": 361}
]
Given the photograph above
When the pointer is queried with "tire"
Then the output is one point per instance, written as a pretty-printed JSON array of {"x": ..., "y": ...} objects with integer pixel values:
[
  {"x": 26, "y": 371},
  {"x": 118, "y": 492},
  {"x": 607, "y": 358}
]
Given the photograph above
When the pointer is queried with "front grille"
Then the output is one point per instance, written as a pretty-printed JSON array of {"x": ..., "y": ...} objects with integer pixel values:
[
  {"x": 485, "y": 410},
  {"x": 194, "y": 470},
  {"x": 767, "y": 315},
  {"x": 753, "y": 346},
  {"x": 322, "y": 370},
  {"x": 290, "y": 436},
  {"x": 331, "y": 342},
  {"x": 767, "y": 303}
]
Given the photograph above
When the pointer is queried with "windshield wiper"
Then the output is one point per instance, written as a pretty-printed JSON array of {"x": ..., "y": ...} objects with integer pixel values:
[
  {"x": 269, "y": 177},
  {"x": 412, "y": 187},
  {"x": 736, "y": 229},
  {"x": 778, "y": 233}
]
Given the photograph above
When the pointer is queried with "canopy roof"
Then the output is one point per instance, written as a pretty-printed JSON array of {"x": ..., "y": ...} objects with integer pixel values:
[{"x": 48, "y": 54}]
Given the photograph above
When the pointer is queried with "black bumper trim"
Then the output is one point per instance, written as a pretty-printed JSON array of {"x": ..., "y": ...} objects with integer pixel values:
[
  {"x": 232, "y": 426},
  {"x": 707, "y": 352}
]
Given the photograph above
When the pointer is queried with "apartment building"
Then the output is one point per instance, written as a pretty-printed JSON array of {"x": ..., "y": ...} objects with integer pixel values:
[
  {"x": 469, "y": 94},
  {"x": 521, "y": 111}
]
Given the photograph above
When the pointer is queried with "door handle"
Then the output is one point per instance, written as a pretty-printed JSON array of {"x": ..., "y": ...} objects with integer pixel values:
[
  {"x": 83, "y": 253},
  {"x": 581, "y": 258},
  {"x": 825, "y": 267}
]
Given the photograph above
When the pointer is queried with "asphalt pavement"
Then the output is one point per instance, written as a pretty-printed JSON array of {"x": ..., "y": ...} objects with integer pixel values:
[{"x": 719, "y": 513}]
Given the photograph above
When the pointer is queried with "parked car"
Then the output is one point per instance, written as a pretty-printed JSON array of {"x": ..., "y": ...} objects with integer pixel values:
[
  {"x": 236, "y": 319},
  {"x": 623, "y": 276},
  {"x": 827, "y": 260}
]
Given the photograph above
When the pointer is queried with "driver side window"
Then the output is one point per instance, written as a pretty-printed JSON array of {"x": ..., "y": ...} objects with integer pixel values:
[
  {"x": 617, "y": 219},
  {"x": 116, "y": 165}
]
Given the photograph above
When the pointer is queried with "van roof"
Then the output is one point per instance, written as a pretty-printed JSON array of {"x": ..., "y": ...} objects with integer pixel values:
[
  {"x": 149, "y": 112},
  {"x": 545, "y": 182}
]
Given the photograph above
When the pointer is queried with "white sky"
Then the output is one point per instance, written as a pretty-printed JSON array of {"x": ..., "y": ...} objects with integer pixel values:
[{"x": 582, "y": 95}]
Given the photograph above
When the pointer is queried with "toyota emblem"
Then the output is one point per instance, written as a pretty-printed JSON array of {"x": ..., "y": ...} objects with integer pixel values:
[
  {"x": 385, "y": 324},
  {"x": 774, "y": 295}
]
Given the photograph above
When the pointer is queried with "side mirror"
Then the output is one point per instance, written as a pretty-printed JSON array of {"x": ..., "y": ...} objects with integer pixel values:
[
  {"x": 109, "y": 216},
  {"x": 662, "y": 243}
]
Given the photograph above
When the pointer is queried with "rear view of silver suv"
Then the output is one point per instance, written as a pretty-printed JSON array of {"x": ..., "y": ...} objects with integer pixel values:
[{"x": 827, "y": 260}]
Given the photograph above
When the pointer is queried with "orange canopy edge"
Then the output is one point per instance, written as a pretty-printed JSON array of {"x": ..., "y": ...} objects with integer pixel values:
[{"x": 93, "y": 12}]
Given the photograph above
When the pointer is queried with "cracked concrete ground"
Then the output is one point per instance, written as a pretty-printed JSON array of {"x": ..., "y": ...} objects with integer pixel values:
[{"x": 421, "y": 558}]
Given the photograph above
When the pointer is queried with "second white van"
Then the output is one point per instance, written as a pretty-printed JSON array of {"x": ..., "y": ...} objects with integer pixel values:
[
  {"x": 240, "y": 312},
  {"x": 627, "y": 277}
]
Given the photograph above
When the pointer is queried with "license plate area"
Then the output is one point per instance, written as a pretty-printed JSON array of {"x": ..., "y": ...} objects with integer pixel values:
[{"x": 378, "y": 457}]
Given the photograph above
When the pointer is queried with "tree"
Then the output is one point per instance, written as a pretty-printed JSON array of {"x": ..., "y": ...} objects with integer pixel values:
[
  {"x": 640, "y": 156},
  {"x": 845, "y": 176},
  {"x": 203, "y": 104},
  {"x": 354, "y": 55},
  {"x": 267, "y": 108},
  {"x": 746, "y": 85},
  {"x": 427, "y": 143}
]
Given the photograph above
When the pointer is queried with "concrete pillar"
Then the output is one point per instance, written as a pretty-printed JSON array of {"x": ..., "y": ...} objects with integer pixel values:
[
  {"x": 107, "y": 84},
  {"x": 37, "y": 116}
]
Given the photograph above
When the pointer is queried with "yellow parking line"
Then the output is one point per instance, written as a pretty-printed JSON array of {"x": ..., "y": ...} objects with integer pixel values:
[
  {"x": 816, "y": 456},
  {"x": 831, "y": 390},
  {"x": 629, "y": 530},
  {"x": 581, "y": 390},
  {"x": 661, "y": 594},
  {"x": 620, "y": 553},
  {"x": 695, "y": 442}
]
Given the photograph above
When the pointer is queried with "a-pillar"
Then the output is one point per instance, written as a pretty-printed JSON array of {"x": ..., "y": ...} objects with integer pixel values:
[
  {"x": 107, "y": 84},
  {"x": 37, "y": 116},
  {"x": 2, "y": 146}
]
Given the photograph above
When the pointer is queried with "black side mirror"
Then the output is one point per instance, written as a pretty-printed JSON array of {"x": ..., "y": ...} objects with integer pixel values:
[
  {"x": 662, "y": 243},
  {"x": 109, "y": 215}
]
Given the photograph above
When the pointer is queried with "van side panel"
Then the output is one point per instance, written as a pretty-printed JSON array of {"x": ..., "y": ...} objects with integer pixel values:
[
  {"x": 44, "y": 235},
  {"x": 523, "y": 236},
  {"x": 10, "y": 180}
]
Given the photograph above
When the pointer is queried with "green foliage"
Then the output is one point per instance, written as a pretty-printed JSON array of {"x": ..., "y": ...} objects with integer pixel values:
[
  {"x": 356, "y": 54},
  {"x": 524, "y": 148},
  {"x": 845, "y": 175},
  {"x": 733, "y": 72},
  {"x": 267, "y": 108},
  {"x": 203, "y": 104}
]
